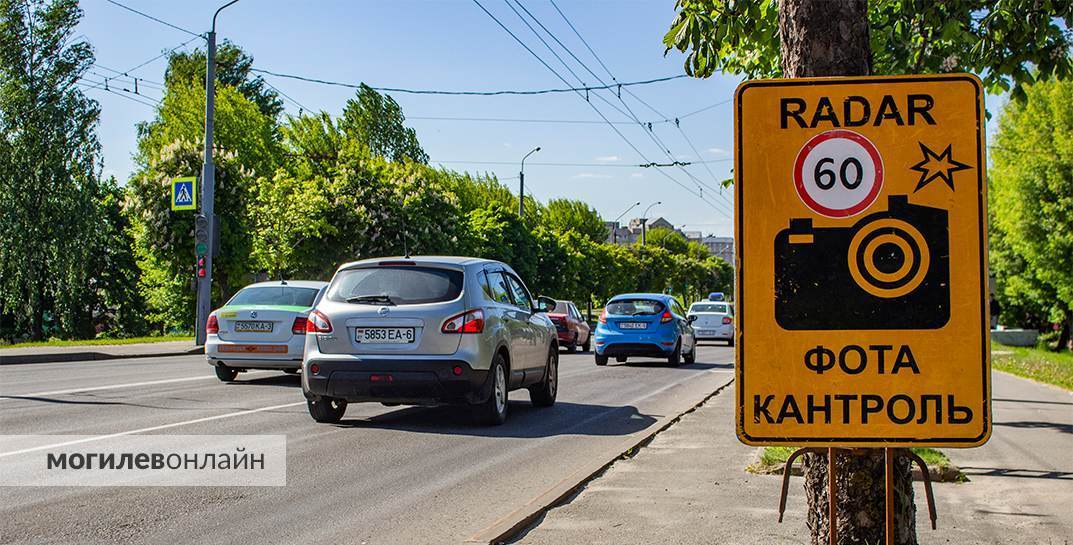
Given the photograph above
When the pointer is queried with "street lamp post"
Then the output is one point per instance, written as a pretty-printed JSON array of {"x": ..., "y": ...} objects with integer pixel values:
[
  {"x": 521, "y": 183},
  {"x": 614, "y": 230},
  {"x": 644, "y": 222},
  {"x": 208, "y": 183}
]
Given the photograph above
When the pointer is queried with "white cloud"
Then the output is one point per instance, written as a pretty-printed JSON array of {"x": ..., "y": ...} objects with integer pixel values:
[
  {"x": 590, "y": 175},
  {"x": 608, "y": 158},
  {"x": 718, "y": 151}
]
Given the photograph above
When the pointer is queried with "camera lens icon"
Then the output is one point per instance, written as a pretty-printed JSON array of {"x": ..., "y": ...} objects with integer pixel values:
[{"x": 888, "y": 258}]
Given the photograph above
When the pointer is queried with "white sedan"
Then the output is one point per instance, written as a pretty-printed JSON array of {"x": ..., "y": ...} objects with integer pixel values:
[
  {"x": 715, "y": 321},
  {"x": 262, "y": 327}
]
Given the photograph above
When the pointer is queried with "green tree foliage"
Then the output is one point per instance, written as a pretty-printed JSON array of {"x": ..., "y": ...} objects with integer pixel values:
[
  {"x": 562, "y": 215},
  {"x": 998, "y": 39},
  {"x": 377, "y": 120},
  {"x": 49, "y": 170},
  {"x": 295, "y": 199},
  {"x": 668, "y": 239},
  {"x": 119, "y": 307},
  {"x": 170, "y": 146},
  {"x": 1031, "y": 205},
  {"x": 233, "y": 69}
]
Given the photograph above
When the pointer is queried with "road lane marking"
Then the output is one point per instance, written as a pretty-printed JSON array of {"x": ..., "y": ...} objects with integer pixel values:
[
  {"x": 151, "y": 428},
  {"x": 112, "y": 386}
]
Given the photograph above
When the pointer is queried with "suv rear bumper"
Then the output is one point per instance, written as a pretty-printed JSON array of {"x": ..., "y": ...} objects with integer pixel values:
[{"x": 410, "y": 382}]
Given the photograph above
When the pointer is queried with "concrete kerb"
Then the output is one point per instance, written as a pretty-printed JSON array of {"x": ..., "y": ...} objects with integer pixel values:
[
  {"x": 91, "y": 355},
  {"x": 523, "y": 518}
]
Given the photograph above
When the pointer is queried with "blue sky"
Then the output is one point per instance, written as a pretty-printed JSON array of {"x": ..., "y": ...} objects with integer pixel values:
[{"x": 453, "y": 45}]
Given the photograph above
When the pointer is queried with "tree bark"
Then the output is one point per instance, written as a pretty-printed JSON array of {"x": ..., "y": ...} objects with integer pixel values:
[
  {"x": 824, "y": 38},
  {"x": 830, "y": 38}
]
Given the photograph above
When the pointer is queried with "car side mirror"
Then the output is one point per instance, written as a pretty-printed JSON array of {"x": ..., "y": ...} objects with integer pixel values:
[
  {"x": 691, "y": 318},
  {"x": 544, "y": 304}
]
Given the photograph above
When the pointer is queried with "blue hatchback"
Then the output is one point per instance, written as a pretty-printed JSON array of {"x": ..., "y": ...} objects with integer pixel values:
[{"x": 650, "y": 325}]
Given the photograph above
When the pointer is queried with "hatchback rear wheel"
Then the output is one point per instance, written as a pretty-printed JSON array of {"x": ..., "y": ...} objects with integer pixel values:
[
  {"x": 543, "y": 393},
  {"x": 675, "y": 359}
]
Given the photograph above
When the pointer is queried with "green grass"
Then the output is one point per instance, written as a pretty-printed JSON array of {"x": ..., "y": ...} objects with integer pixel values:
[
  {"x": 98, "y": 342},
  {"x": 772, "y": 458},
  {"x": 1042, "y": 365}
]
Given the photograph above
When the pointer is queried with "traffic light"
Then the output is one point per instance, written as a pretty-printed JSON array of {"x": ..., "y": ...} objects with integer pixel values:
[{"x": 201, "y": 267}]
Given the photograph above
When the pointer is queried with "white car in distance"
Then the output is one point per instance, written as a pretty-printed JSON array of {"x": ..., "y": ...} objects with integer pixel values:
[{"x": 715, "y": 321}]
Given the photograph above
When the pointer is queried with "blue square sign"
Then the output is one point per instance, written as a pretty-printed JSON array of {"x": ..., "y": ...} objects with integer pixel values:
[{"x": 184, "y": 193}]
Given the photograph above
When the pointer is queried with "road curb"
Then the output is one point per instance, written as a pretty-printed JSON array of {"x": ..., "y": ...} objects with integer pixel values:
[
  {"x": 23, "y": 359},
  {"x": 562, "y": 492}
]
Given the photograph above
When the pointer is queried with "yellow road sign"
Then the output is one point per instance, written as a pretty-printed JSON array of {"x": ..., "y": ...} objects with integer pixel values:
[{"x": 862, "y": 262}]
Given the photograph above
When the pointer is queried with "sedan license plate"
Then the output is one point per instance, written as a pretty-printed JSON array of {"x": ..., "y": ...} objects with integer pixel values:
[
  {"x": 384, "y": 335},
  {"x": 253, "y": 327},
  {"x": 633, "y": 325},
  {"x": 706, "y": 332}
]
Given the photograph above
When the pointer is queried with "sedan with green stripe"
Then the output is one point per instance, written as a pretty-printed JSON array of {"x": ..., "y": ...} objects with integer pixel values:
[{"x": 262, "y": 327}]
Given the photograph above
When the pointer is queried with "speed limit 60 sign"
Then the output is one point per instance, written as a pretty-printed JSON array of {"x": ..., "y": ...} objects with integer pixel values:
[{"x": 862, "y": 262}]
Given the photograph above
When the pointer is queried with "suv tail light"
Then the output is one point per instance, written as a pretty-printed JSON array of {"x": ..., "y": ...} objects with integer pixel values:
[
  {"x": 471, "y": 321},
  {"x": 318, "y": 323},
  {"x": 212, "y": 326},
  {"x": 667, "y": 316},
  {"x": 727, "y": 320},
  {"x": 299, "y": 326},
  {"x": 603, "y": 316}
]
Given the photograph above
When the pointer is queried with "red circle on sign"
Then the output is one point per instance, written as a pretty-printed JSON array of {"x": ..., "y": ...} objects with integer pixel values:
[{"x": 799, "y": 182}]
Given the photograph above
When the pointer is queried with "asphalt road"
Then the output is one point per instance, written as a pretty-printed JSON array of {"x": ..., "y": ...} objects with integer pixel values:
[{"x": 383, "y": 475}]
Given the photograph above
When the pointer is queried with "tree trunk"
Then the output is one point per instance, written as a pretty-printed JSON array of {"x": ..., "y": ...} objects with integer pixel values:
[
  {"x": 830, "y": 38},
  {"x": 824, "y": 38},
  {"x": 1063, "y": 336}
]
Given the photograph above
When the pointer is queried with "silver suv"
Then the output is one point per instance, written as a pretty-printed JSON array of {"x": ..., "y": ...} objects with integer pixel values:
[{"x": 428, "y": 331}]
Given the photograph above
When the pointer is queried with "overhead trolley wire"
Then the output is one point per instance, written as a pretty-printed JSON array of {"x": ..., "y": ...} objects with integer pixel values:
[
  {"x": 147, "y": 16},
  {"x": 658, "y": 141},
  {"x": 568, "y": 89},
  {"x": 591, "y": 105}
]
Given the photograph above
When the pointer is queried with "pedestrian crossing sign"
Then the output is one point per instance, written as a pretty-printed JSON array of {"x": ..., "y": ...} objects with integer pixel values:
[{"x": 184, "y": 193}]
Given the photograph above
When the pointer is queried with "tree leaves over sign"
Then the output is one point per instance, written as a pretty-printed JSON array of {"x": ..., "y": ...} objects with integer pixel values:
[{"x": 1009, "y": 43}]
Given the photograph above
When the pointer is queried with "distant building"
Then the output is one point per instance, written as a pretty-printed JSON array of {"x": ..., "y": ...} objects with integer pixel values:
[
  {"x": 720, "y": 246},
  {"x": 631, "y": 232}
]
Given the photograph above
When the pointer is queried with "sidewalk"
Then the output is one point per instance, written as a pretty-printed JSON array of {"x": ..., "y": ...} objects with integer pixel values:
[
  {"x": 51, "y": 354},
  {"x": 689, "y": 485}
]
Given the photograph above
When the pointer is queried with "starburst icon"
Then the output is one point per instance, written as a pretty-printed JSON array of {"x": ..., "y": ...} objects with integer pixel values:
[{"x": 937, "y": 166}]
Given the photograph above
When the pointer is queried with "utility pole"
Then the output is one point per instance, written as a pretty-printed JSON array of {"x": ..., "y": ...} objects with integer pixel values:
[
  {"x": 644, "y": 222},
  {"x": 614, "y": 230},
  {"x": 521, "y": 184},
  {"x": 208, "y": 184}
]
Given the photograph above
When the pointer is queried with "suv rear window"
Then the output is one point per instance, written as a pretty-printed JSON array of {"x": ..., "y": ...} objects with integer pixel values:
[
  {"x": 635, "y": 307},
  {"x": 273, "y": 295},
  {"x": 401, "y": 285}
]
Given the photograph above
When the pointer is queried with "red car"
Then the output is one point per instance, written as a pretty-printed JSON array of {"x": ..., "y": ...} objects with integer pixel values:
[{"x": 573, "y": 330}]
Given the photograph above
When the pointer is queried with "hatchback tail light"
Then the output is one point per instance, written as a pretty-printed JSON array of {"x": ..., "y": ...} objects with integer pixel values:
[
  {"x": 471, "y": 321},
  {"x": 603, "y": 316},
  {"x": 667, "y": 316},
  {"x": 727, "y": 320},
  {"x": 212, "y": 326},
  {"x": 299, "y": 326},
  {"x": 318, "y": 323}
]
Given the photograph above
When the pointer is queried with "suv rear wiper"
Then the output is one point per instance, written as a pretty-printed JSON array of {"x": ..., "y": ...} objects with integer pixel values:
[{"x": 367, "y": 299}]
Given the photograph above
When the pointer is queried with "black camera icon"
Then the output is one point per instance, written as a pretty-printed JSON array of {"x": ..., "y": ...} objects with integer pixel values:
[{"x": 890, "y": 270}]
